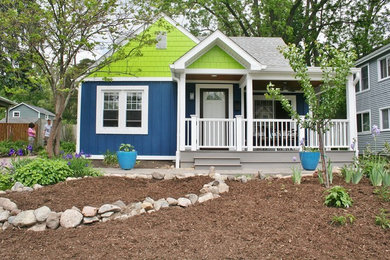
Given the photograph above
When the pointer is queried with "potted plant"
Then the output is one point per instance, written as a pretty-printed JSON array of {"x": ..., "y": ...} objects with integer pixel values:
[
  {"x": 309, "y": 157},
  {"x": 126, "y": 156}
]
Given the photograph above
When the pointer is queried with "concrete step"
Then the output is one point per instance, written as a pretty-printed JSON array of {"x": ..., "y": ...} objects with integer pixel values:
[
  {"x": 220, "y": 163},
  {"x": 218, "y": 167}
]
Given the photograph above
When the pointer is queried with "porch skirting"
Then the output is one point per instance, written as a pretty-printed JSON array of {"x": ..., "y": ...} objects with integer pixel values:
[{"x": 230, "y": 160}]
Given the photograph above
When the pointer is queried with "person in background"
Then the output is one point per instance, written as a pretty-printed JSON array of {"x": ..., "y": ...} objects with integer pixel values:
[
  {"x": 31, "y": 135},
  {"x": 46, "y": 131}
]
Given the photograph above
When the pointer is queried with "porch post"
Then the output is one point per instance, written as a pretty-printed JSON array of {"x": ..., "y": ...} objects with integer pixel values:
[
  {"x": 301, "y": 134},
  {"x": 182, "y": 110},
  {"x": 239, "y": 132},
  {"x": 351, "y": 113},
  {"x": 249, "y": 111},
  {"x": 194, "y": 133}
]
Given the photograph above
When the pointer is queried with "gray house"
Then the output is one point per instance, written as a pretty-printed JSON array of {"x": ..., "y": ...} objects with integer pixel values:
[
  {"x": 25, "y": 113},
  {"x": 373, "y": 98}
]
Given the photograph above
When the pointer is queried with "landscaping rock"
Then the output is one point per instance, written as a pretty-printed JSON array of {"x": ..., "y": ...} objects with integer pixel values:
[
  {"x": 120, "y": 204},
  {"x": 6, "y": 225},
  {"x": 184, "y": 202},
  {"x": 147, "y": 205},
  {"x": 89, "y": 211},
  {"x": 89, "y": 220},
  {"x": 76, "y": 208},
  {"x": 37, "y": 186},
  {"x": 158, "y": 176},
  {"x": 71, "y": 218},
  {"x": 3, "y": 192},
  {"x": 172, "y": 201},
  {"x": 11, "y": 219},
  {"x": 108, "y": 207},
  {"x": 15, "y": 212},
  {"x": 7, "y": 204},
  {"x": 38, "y": 227},
  {"x": 25, "y": 219},
  {"x": 42, "y": 213},
  {"x": 169, "y": 176},
  {"x": 212, "y": 172},
  {"x": 231, "y": 178},
  {"x": 4, "y": 215},
  {"x": 27, "y": 189},
  {"x": 205, "y": 197},
  {"x": 164, "y": 203},
  {"x": 157, "y": 205},
  {"x": 192, "y": 197},
  {"x": 209, "y": 188},
  {"x": 17, "y": 186},
  {"x": 149, "y": 199},
  {"x": 222, "y": 187},
  {"x": 53, "y": 220},
  {"x": 244, "y": 179},
  {"x": 107, "y": 214}
]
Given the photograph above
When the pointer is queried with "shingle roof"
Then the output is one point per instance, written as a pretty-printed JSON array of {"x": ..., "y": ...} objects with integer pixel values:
[
  {"x": 263, "y": 49},
  {"x": 42, "y": 110}
]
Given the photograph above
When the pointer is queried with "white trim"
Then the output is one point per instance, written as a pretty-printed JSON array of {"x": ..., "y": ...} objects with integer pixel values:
[
  {"x": 387, "y": 58},
  {"x": 78, "y": 118},
  {"x": 381, "y": 119},
  {"x": 122, "y": 129},
  {"x": 369, "y": 115},
  {"x": 361, "y": 79},
  {"x": 229, "y": 87},
  {"x": 13, "y": 113},
  {"x": 213, "y": 81},
  {"x": 141, "y": 157},
  {"x": 225, "y": 43},
  {"x": 217, "y": 71},
  {"x": 129, "y": 79}
]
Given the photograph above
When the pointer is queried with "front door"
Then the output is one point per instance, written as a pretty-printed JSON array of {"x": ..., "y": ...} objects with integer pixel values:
[{"x": 214, "y": 105}]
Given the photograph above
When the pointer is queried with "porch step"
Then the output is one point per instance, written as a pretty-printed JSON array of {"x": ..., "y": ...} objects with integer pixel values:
[{"x": 220, "y": 163}]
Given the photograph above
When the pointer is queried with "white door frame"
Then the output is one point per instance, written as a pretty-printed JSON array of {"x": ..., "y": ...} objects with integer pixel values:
[{"x": 229, "y": 87}]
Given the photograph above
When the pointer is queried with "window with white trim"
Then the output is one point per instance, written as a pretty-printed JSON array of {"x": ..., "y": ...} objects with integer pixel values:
[
  {"x": 363, "y": 83},
  {"x": 16, "y": 114},
  {"x": 363, "y": 122},
  {"x": 384, "y": 68},
  {"x": 385, "y": 118},
  {"x": 122, "y": 110}
]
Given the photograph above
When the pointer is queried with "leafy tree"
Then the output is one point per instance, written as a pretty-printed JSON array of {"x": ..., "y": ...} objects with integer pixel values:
[
  {"x": 55, "y": 32},
  {"x": 323, "y": 102}
]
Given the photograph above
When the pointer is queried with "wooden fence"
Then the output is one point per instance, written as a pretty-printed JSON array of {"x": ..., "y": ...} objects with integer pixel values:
[{"x": 15, "y": 131}]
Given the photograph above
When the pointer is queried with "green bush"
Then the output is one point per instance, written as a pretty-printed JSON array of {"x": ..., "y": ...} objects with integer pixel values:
[
  {"x": 110, "y": 158},
  {"x": 6, "y": 146},
  {"x": 338, "y": 197},
  {"x": 68, "y": 147},
  {"x": 42, "y": 171},
  {"x": 383, "y": 219},
  {"x": 81, "y": 167},
  {"x": 5, "y": 181}
]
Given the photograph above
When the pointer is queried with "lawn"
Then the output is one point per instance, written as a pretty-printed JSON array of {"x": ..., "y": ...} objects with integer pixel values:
[{"x": 258, "y": 219}]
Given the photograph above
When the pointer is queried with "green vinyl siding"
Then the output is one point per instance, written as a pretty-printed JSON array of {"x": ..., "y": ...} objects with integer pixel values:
[
  {"x": 151, "y": 62},
  {"x": 216, "y": 58}
]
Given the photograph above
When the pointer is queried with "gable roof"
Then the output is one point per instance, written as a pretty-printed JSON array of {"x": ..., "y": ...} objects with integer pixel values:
[
  {"x": 35, "y": 108},
  {"x": 373, "y": 54},
  {"x": 225, "y": 43}
]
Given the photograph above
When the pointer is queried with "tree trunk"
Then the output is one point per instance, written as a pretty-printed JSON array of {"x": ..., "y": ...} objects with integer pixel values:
[
  {"x": 53, "y": 143},
  {"x": 322, "y": 152}
]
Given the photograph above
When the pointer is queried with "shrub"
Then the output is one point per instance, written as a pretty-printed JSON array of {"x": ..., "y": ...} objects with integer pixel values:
[
  {"x": 16, "y": 146},
  {"x": 383, "y": 193},
  {"x": 81, "y": 167},
  {"x": 5, "y": 181},
  {"x": 110, "y": 158},
  {"x": 296, "y": 175},
  {"x": 68, "y": 147},
  {"x": 338, "y": 197},
  {"x": 377, "y": 173},
  {"x": 383, "y": 219},
  {"x": 42, "y": 171}
]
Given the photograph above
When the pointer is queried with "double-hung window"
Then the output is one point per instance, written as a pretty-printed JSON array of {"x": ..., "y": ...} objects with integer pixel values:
[
  {"x": 122, "y": 110},
  {"x": 384, "y": 68},
  {"x": 363, "y": 122},
  {"x": 385, "y": 118},
  {"x": 363, "y": 83}
]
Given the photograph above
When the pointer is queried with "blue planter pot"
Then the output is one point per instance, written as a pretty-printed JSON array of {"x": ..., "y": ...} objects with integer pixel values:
[
  {"x": 127, "y": 160},
  {"x": 309, "y": 160}
]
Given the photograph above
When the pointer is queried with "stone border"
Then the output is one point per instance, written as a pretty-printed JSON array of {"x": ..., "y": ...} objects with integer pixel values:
[{"x": 43, "y": 218}]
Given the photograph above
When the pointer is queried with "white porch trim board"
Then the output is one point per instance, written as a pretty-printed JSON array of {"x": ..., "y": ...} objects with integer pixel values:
[
  {"x": 249, "y": 111},
  {"x": 78, "y": 118},
  {"x": 351, "y": 112}
]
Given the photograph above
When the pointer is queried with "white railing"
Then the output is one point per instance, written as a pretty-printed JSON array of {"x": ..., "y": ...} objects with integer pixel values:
[
  {"x": 275, "y": 133},
  {"x": 267, "y": 134},
  {"x": 337, "y": 137}
]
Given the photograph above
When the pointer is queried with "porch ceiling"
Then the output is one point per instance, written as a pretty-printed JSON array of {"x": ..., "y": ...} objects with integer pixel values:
[
  {"x": 213, "y": 77},
  {"x": 282, "y": 84}
]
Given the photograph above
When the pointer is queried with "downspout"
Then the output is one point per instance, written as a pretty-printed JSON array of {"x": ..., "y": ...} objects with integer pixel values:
[{"x": 177, "y": 162}]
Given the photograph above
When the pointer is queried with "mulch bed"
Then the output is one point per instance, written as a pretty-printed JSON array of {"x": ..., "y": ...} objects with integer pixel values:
[{"x": 257, "y": 220}]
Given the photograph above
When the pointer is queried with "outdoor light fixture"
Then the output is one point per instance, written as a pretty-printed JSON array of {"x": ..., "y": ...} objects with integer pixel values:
[
  {"x": 213, "y": 75},
  {"x": 192, "y": 96}
]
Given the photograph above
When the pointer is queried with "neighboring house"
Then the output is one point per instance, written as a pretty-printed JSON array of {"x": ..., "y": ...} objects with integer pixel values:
[
  {"x": 25, "y": 113},
  {"x": 373, "y": 98},
  {"x": 190, "y": 100},
  {"x": 6, "y": 103}
]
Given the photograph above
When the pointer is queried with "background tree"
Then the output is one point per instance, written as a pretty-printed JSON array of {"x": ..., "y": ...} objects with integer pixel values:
[
  {"x": 361, "y": 24},
  {"x": 55, "y": 32},
  {"x": 323, "y": 103}
]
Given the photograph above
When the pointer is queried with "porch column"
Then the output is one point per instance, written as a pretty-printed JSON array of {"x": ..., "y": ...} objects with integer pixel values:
[
  {"x": 181, "y": 95},
  {"x": 351, "y": 113},
  {"x": 249, "y": 111}
]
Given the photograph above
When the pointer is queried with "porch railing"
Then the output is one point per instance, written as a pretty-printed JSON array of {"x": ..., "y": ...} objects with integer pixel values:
[{"x": 267, "y": 134}]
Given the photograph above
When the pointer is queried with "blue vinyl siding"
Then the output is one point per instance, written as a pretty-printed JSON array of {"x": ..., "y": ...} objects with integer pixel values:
[{"x": 161, "y": 137}]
